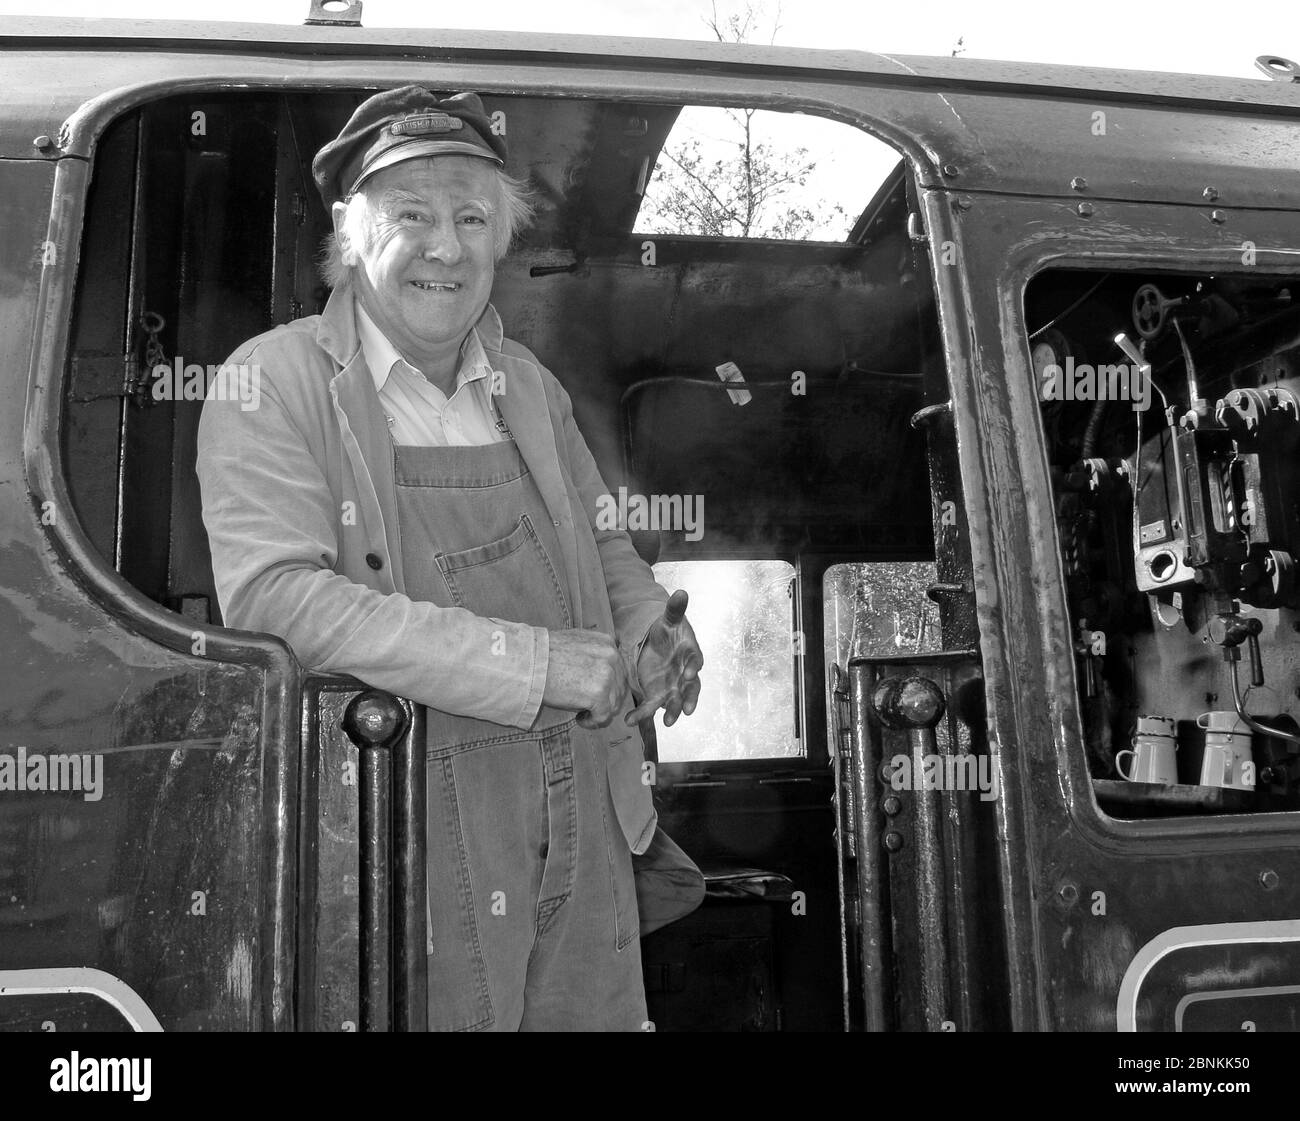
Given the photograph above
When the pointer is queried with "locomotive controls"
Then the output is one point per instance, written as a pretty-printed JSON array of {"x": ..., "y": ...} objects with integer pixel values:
[{"x": 1175, "y": 473}]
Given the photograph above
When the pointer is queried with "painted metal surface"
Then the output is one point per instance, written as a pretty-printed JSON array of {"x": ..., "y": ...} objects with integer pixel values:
[
  {"x": 31, "y": 32},
  {"x": 184, "y": 877},
  {"x": 177, "y": 876},
  {"x": 1083, "y": 891},
  {"x": 1240, "y": 1009},
  {"x": 44, "y": 983},
  {"x": 353, "y": 975},
  {"x": 1141, "y": 1003},
  {"x": 1121, "y": 134},
  {"x": 329, "y": 902},
  {"x": 929, "y": 938}
]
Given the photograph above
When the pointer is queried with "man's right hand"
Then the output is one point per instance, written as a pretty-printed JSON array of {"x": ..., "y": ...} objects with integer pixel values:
[{"x": 585, "y": 673}]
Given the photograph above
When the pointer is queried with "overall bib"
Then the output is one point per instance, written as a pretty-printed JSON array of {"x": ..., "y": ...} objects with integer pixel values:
[{"x": 532, "y": 905}]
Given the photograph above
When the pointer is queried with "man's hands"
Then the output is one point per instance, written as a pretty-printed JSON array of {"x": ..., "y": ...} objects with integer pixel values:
[
  {"x": 585, "y": 672},
  {"x": 669, "y": 665}
]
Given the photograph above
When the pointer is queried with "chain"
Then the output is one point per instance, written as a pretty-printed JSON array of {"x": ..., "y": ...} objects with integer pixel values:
[{"x": 152, "y": 323}]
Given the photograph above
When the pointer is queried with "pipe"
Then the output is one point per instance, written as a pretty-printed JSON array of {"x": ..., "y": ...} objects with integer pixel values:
[
  {"x": 1250, "y": 722},
  {"x": 873, "y": 907}
]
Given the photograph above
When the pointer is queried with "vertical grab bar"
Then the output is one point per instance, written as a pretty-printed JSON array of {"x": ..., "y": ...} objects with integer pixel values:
[
  {"x": 916, "y": 704},
  {"x": 410, "y": 883},
  {"x": 375, "y": 721},
  {"x": 868, "y": 826}
]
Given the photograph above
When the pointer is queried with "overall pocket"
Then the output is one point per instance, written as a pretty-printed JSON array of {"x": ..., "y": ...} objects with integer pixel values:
[{"x": 511, "y": 578}]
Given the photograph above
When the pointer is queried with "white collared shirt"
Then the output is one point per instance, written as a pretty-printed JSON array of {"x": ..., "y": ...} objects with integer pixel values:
[{"x": 418, "y": 412}]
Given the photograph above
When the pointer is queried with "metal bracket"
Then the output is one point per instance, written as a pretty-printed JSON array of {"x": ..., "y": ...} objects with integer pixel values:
[
  {"x": 1278, "y": 68},
  {"x": 337, "y": 13},
  {"x": 937, "y": 592},
  {"x": 97, "y": 375}
]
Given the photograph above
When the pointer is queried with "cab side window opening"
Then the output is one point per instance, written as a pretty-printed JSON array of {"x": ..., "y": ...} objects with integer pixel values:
[
  {"x": 762, "y": 387},
  {"x": 203, "y": 228},
  {"x": 1172, "y": 422}
]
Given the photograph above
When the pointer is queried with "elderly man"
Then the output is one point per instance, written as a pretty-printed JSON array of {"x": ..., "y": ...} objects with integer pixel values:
[{"x": 412, "y": 503}]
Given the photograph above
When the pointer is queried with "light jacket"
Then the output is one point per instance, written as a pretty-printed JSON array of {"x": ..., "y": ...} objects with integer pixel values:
[{"x": 300, "y": 508}]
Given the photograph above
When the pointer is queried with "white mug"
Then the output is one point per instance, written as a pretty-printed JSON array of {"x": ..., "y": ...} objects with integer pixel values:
[
  {"x": 1155, "y": 759},
  {"x": 1228, "y": 762},
  {"x": 1148, "y": 725},
  {"x": 1223, "y": 721}
]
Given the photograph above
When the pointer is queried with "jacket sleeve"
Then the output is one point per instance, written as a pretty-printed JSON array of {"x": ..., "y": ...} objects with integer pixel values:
[
  {"x": 272, "y": 523},
  {"x": 634, "y": 598}
]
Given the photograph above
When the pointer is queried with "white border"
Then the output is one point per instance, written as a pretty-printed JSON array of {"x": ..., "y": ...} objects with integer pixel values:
[
  {"x": 35, "y": 982},
  {"x": 1184, "y": 937},
  {"x": 1227, "y": 994}
]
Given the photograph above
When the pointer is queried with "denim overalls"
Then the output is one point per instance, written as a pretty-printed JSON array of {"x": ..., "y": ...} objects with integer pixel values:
[{"x": 532, "y": 905}]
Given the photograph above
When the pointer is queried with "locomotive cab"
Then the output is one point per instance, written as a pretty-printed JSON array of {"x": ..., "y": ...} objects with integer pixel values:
[
  {"x": 784, "y": 501},
  {"x": 943, "y": 581}
]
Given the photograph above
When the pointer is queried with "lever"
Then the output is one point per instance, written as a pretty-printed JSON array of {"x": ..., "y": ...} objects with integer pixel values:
[
  {"x": 1256, "y": 662},
  {"x": 1229, "y": 631}
]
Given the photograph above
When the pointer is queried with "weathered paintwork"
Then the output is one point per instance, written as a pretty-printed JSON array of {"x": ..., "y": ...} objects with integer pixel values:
[
  {"x": 1069, "y": 955},
  {"x": 194, "y": 748},
  {"x": 207, "y": 754}
]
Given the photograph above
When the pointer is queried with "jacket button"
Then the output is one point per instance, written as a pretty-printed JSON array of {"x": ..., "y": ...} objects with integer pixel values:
[{"x": 373, "y": 560}]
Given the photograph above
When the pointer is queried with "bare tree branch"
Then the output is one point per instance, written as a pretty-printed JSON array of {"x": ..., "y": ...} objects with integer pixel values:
[{"x": 752, "y": 195}]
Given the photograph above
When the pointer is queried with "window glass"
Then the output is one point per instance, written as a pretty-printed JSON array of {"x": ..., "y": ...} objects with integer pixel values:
[
  {"x": 759, "y": 174},
  {"x": 742, "y": 613}
]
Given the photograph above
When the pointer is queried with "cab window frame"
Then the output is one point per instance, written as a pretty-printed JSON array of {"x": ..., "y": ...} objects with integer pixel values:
[{"x": 247, "y": 75}]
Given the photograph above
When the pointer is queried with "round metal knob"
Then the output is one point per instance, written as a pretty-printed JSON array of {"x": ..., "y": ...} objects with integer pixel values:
[
  {"x": 908, "y": 702},
  {"x": 375, "y": 719}
]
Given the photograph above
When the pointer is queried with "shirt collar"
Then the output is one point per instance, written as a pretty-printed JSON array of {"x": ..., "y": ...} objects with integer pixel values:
[{"x": 381, "y": 355}]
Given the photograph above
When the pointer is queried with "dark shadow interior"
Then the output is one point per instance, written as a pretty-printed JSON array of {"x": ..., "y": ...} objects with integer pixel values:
[{"x": 217, "y": 229}]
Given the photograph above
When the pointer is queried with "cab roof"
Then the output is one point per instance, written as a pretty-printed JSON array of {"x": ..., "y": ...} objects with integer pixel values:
[
  {"x": 964, "y": 124},
  {"x": 34, "y": 33}
]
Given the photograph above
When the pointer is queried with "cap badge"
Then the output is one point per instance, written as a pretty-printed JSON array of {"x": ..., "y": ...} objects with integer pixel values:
[{"x": 426, "y": 122}]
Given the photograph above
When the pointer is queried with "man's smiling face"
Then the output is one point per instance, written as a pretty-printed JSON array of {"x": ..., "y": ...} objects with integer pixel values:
[{"x": 424, "y": 273}]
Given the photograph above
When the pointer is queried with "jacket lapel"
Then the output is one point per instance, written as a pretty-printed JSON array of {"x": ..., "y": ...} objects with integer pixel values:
[{"x": 363, "y": 427}]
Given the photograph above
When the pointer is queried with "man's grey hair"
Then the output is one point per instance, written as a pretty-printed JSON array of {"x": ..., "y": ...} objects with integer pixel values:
[{"x": 511, "y": 217}]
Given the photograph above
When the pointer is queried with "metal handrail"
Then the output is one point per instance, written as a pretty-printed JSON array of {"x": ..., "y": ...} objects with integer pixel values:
[{"x": 375, "y": 721}]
